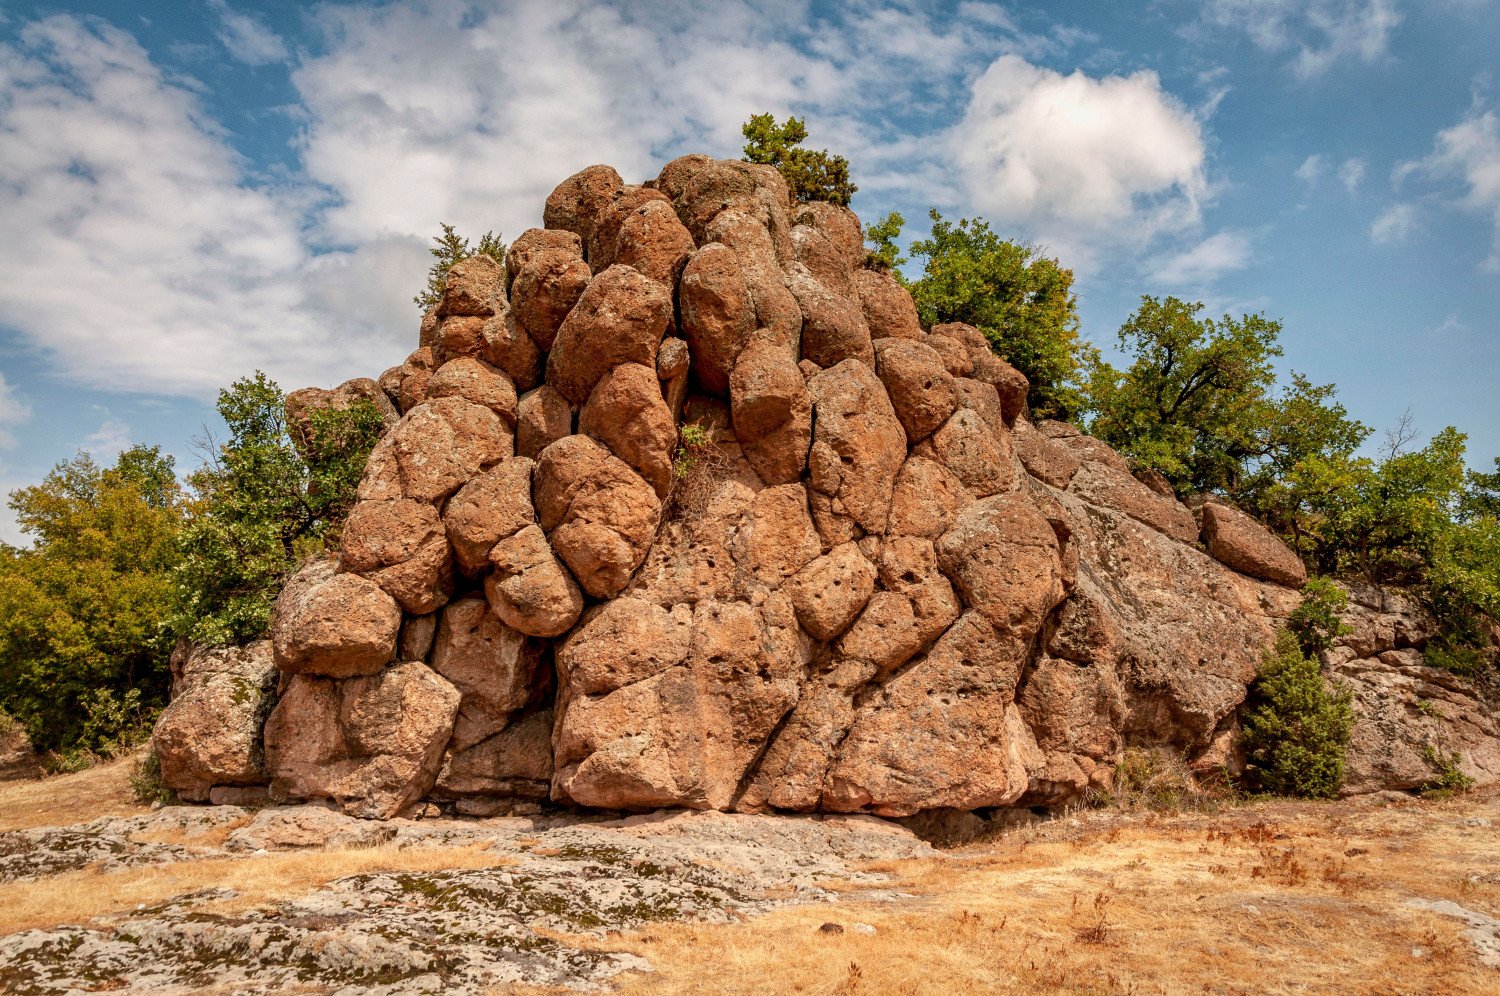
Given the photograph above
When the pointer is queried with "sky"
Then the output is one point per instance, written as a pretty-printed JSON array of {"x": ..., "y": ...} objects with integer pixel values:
[{"x": 193, "y": 191}]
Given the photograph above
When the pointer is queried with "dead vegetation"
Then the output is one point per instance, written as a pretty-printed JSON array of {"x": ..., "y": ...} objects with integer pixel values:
[
  {"x": 59, "y": 800},
  {"x": 1266, "y": 897}
]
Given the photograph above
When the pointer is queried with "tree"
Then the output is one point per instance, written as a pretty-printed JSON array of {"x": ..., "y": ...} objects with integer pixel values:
[
  {"x": 84, "y": 611},
  {"x": 260, "y": 508},
  {"x": 1022, "y": 300},
  {"x": 1296, "y": 733},
  {"x": 450, "y": 248},
  {"x": 1197, "y": 404},
  {"x": 810, "y": 175},
  {"x": 882, "y": 236}
]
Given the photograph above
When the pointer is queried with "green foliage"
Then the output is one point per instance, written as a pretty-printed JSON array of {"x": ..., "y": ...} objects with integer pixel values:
[
  {"x": 1316, "y": 622},
  {"x": 810, "y": 175},
  {"x": 885, "y": 254},
  {"x": 260, "y": 508},
  {"x": 146, "y": 783},
  {"x": 84, "y": 611},
  {"x": 447, "y": 249},
  {"x": 1022, "y": 300},
  {"x": 693, "y": 440},
  {"x": 1447, "y": 779},
  {"x": 1197, "y": 403},
  {"x": 1297, "y": 731}
]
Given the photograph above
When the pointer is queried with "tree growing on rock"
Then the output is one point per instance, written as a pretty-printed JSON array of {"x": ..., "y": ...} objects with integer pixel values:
[
  {"x": 447, "y": 249},
  {"x": 812, "y": 175},
  {"x": 1022, "y": 300}
]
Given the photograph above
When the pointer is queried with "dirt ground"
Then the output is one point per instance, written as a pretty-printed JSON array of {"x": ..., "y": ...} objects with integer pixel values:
[{"x": 1360, "y": 896}]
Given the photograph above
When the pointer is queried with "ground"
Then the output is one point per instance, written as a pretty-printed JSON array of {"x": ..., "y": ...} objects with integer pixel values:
[{"x": 1379, "y": 896}]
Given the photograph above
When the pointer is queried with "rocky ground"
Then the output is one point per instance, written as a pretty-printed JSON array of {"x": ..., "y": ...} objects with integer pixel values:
[{"x": 1372, "y": 895}]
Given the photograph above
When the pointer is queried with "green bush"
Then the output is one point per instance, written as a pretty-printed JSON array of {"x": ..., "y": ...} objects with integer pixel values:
[
  {"x": 146, "y": 783},
  {"x": 1297, "y": 730},
  {"x": 1316, "y": 622},
  {"x": 1446, "y": 779}
]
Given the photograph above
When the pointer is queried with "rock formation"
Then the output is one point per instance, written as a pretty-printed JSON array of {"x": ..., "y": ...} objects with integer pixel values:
[{"x": 870, "y": 584}]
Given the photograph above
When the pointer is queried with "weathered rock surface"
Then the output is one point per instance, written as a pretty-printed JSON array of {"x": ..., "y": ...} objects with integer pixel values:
[
  {"x": 210, "y": 734},
  {"x": 864, "y": 581}
]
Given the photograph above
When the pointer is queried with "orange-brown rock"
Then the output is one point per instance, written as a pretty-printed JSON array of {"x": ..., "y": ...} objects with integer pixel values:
[
  {"x": 529, "y": 588},
  {"x": 535, "y": 241},
  {"x": 840, "y": 226},
  {"x": 920, "y": 388},
  {"x": 546, "y": 288},
  {"x": 888, "y": 308},
  {"x": 771, "y": 412},
  {"x": 575, "y": 204},
  {"x": 1233, "y": 538},
  {"x": 620, "y": 318},
  {"x": 642, "y": 232},
  {"x": 514, "y": 763},
  {"x": 478, "y": 382},
  {"x": 833, "y": 326},
  {"x": 372, "y": 745},
  {"x": 542, "y": 418},
  {"x": 210, "y": 734},
  {"x": 333, "y": 624},
  {"x": 496, "y": 669},
  {"x": 434, "y": 450},
  {"x": 718, "y": 313},
  {"x": 473, "y": 286},
  {"x": 491, "y": 507},
  {"x": 828, "y": 594},
  {"x": 858, "y": 448},
  {"x": 600, "y": 516},
  {"x": 400, "y": 545},
  {"x": 627, "y": 413},
  {"x": 301, "y": 406}
]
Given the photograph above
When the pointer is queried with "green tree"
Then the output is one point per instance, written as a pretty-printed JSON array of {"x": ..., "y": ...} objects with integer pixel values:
[
  {"x": 447, "y": 249},
  {"x": 1296, "y": 732},
  {"x": 84, "y": 610},
  {"x": 811, "y": 175},
  {"x": 1198, "y": 404},
  {"x": 1022, "y": 300},
  {"x": 884, "y": 253},
  {"x": 260, "y": 508}
]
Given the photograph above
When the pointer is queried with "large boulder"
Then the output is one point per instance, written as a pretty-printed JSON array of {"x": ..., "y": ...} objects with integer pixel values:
[
  {"x": 302, "y": 407},
  {"x": 210, "y": 734},
  {"x": 496, "y": 669},
  {"x": 620, "y": 318},
  {"x": 434, "y": 450},
  {"x": 1235, "y": 539},
  {"x": 400, "y": 545},
  {"x": 373, "y": 745},
  {"x": 332, "y": 624},
  {"x": 575, "y": 205}
]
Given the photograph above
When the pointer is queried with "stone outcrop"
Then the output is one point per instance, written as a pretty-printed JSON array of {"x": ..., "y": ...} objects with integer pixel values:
[
  {"x": 18, "y": 759},
  {"x": 210, "y": 734},
  {"x": 863, "y": 581}
]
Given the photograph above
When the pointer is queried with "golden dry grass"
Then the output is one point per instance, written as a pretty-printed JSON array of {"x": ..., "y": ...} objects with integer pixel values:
[
  {"x": 74, "y": 897},
  {"x": 60, "y": 800},
  {"x": 1274, "y": 897}
]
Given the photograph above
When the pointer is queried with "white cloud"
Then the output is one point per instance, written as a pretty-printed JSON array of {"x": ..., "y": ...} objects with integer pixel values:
[
  {"x": 14, "y": 410},
  {"x": 108, "y": 441},
  {"x": 1394, "y": 224},
  {"x": 1468, "y": 152},
  {"x": 134, "y": 252},
  {"x": 1078, "y": 159},
  {"x": 1352, "y": 174},
  {"x": 1318, "y": 32},
  {"x": 246, "y": 38},
  {"x": 1311, "y": 169},
  {"x": 1205, "y": 262}
]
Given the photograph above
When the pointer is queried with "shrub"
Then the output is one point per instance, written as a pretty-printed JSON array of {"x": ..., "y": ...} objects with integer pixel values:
[
  {"x": 884, "y": 253},
  {"x": 1316, "y": 623},
  {"x": 146, "y": 782},
  {"x": 1297, "y": 730},
  {"x": 1447, "y": 779}
]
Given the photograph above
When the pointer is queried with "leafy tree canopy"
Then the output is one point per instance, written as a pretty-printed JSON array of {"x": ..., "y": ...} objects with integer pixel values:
[
  {"x": 1022, "y": 300},
  {"x": 447, "y": 249},
  {"x": 812, "y": 175},
  {"x": 1198, "y": 403},
  {"x": 84, "y": 611},
  {"x": 260, "y": 508}
]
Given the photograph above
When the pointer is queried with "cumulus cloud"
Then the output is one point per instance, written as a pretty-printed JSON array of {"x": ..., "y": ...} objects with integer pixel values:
[
  {"x": 153, "y": 265},
  {"x": 108, "y": 441},
  {"x": 1468, "y": 153},
  {"x": 1393, "y": 225},
  {"x": 1352, "y": 174},
  {"x": 1318, "y": 33},
  {"x": 1311, "y": 170},
  {"x": 1074, "y": 158},
  {"x": 246, "y": 38},
  {"x": 14, "y": 410},
  {"x": 1205, "y": 262}
]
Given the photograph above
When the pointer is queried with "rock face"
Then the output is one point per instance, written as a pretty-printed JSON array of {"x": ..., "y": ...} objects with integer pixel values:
[
  {"x": 210, "y": 734},
  {"x": 685, "y": 508},
  {"x": 17, "y": 758}
]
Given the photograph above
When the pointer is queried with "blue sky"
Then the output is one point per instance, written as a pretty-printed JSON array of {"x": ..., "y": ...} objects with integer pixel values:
[{"x": 191, "y": 191}]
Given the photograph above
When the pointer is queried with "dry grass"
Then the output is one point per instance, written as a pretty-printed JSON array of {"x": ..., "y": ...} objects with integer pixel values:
[
  {"x": 1271, "y": 897},
  {"x": 75, "y": 897},
  {"x": 60, "y": 800}
]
